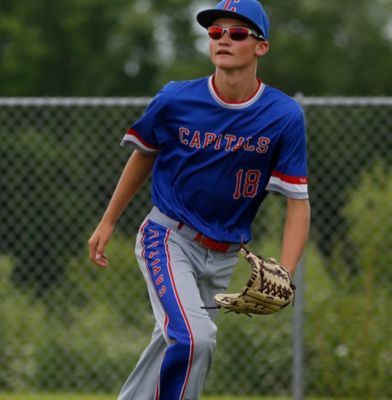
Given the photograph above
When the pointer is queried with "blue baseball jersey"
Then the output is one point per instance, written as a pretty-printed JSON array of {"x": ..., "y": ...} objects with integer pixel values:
[{"x": 217, "y": 161}]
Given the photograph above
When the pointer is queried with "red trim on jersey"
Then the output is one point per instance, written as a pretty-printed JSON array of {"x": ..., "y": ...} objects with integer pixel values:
[
  {"x": 132, "y": 132},
  {"x": 297, "y": 180},
  {"x": 259, "y": 81}
]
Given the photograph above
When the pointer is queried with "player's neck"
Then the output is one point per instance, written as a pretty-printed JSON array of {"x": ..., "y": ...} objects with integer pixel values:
[{"x": 235, "y": 87}]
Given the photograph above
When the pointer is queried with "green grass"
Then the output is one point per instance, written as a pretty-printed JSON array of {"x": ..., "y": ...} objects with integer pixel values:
[
  {"x": 69, "y": 396},
  {"x": 113, "y": 397},
  {"x": 48, "y": 396}
]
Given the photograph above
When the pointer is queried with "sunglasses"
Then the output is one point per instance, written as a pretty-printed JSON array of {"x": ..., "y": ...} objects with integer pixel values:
[{"x": 237, "y": 33}]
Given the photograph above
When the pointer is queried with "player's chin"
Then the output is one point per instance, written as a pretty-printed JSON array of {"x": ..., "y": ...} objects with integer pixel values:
[{"x": 224, "y": 62}]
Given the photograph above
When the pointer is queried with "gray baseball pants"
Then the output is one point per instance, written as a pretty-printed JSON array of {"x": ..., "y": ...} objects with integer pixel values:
[{"x": 182, "y": 277}]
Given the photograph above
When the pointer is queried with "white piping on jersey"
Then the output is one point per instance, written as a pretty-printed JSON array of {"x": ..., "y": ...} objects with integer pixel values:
[
  {"x": 132, "y": 141},
  {"x": 299, "y": 191},
  {"x": 234, "y": 106}
]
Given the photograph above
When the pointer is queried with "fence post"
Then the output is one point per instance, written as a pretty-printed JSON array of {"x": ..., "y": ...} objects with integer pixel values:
[{"x": 298, "y": 333}]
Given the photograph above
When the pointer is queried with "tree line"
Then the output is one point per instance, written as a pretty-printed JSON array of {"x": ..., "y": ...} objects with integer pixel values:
[{"x": 131, "y": 48}]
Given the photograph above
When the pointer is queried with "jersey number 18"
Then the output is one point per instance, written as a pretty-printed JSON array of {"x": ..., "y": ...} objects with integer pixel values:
[{"x": 247, "y": 183}]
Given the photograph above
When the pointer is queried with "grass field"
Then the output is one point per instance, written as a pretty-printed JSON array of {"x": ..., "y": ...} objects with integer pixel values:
[
  {"x": 113, "y": 397},
  {"x": 25, "y": 396}
]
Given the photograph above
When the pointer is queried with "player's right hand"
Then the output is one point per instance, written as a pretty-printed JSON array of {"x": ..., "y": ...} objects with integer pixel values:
[{"x": 97, "y": 243}]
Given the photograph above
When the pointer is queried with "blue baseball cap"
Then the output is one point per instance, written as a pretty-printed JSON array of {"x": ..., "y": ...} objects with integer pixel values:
[{"x": 250, "y": 11}]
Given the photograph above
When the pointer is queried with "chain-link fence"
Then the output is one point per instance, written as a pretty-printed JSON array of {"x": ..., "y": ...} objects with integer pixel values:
[{"x": 66, "y": 325}]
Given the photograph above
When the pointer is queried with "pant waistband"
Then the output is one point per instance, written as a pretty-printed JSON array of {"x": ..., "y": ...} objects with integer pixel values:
[{"x": 190, "y": 233}]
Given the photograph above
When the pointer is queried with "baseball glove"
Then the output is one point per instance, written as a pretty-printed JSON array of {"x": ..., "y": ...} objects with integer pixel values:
[{"x": 269, "y": 289}]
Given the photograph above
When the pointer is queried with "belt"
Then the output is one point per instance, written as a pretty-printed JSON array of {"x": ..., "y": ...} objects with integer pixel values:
[{"x": 190, "y": 233}]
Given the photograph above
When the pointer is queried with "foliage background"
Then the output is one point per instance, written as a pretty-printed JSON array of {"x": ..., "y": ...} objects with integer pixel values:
[
  {"x": 66, "y": 325},
  {"x": 131, "y": 48}
]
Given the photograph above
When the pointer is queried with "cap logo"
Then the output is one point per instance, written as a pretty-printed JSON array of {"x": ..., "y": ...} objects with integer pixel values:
[{"x": 228, "y": 3}]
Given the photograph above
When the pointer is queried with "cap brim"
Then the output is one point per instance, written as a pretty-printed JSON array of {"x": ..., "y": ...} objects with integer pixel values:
[{"x": 207, "y": 17}]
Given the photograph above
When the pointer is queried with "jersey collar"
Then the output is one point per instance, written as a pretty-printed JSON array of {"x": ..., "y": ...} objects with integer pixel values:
[{"x": 233, "y": 105}]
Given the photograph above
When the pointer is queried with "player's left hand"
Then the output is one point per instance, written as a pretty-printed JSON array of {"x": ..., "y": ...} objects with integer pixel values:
[{"x": 269, "y": 289}]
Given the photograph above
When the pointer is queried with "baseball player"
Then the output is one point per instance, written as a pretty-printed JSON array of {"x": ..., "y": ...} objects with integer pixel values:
[{"x": 216, "y": 146}]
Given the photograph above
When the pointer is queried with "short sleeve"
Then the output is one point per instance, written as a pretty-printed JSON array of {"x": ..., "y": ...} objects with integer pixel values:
[
  {"x": 289, "y": 177},
  {"x": 142, "y": 134}
]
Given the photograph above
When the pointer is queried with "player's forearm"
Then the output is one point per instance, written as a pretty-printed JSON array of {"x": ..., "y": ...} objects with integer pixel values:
[
  {"x": 296, "y": 230},
  {"x": 135, "y": 172}
]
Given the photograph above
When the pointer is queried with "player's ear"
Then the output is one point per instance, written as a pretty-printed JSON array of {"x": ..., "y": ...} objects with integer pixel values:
[{"x": 262, "y": 47}]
